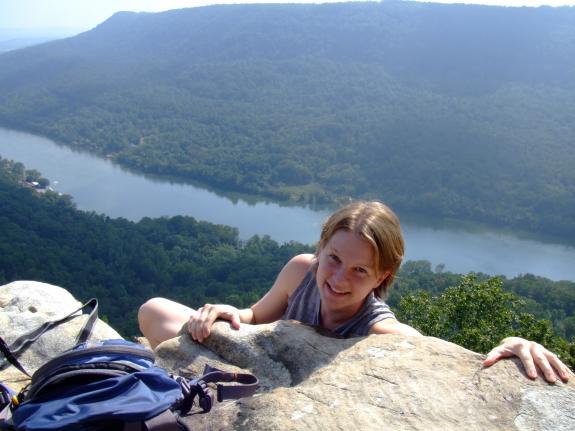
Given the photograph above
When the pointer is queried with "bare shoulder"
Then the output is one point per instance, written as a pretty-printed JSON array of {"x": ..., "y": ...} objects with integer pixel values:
[
  {"x": 295, "y": 270},
  {"x": 273, "y": 304},
  {"x": 301, "y": 262}
]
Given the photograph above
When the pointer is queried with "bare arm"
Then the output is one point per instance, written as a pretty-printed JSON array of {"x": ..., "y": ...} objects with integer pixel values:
[
  {"x": 533, "y": 355},
  {"x": 274, "y": 303},
  {"x": 392, "y": 326},
  {"x": 268, "y": 309}
]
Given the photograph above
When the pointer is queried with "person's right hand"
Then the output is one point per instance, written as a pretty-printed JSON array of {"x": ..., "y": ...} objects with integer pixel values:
[{"x": 200, "y": 323}]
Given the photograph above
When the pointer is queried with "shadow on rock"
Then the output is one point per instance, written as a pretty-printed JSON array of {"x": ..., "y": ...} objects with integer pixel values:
[
  {"x": 369, "y": 383},
  {"x": 284, "y": 353}
]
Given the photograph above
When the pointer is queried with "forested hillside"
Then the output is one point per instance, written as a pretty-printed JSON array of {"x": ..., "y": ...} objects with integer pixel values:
[
  {"x": 448, "y": 110},
  {"x": 122, "y": 263}
]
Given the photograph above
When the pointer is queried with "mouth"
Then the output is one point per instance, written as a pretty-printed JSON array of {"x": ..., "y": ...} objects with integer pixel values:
[{"x": 334, "y": 292}]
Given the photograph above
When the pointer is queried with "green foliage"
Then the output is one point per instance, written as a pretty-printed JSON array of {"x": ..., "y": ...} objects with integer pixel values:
[
  {"x": 474, "y": 314},
  {"x": 392, "y": 100},
  {"x": 44, "y": 238},
  {"x": 558, "y": 299},
  {"x": 11, "y": 172},
  {"x": 477, "y": 314}
]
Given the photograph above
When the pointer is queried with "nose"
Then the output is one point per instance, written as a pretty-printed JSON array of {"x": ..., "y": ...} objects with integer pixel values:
[{"x": 340, "y": 276}]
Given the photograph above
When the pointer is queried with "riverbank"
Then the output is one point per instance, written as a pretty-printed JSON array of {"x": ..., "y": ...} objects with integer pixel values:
[{"x": 98, "y": 185}]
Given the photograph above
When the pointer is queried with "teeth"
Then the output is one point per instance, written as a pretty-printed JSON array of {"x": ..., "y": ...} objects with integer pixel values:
[{"x": 335, "y": 291}]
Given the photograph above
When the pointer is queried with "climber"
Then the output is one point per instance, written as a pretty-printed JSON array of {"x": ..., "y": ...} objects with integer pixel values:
[{"x": 340, "y": 288}]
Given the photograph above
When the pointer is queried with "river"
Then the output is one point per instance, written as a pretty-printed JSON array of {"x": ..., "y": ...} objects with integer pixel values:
[{"x": 96, "y": 184}]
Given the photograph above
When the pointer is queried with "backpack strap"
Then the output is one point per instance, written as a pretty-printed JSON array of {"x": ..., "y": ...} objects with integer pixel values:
[
  {"x": 199, "y": 387},
  {"x": 8, "y": 400},
  {"x": 6, "y": 395},
  {"x": 10, "y": 358},
  {"x": 249, "y": 383},
  {"x": 19, "y": 346}
]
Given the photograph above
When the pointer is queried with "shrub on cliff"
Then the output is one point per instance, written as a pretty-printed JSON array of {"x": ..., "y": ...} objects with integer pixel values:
[{"x": 477, "y": 314}]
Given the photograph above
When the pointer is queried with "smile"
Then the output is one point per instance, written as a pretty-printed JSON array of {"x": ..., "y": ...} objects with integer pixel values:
[{"x": 335, "y": 292}]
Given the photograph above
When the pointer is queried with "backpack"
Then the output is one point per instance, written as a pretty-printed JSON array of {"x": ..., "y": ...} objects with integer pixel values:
[
  {"x": 112, "y": 385},
  {"x": 7, "y": 397}
]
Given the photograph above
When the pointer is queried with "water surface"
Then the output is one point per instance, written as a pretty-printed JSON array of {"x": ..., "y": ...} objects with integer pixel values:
[{"x": 98, "y": 185}]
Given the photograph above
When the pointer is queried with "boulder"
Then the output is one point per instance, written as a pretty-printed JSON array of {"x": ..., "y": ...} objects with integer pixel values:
[
  {"x": 312, "y": 380},
  {"x": 379, "y": 382},
  {"x": 24, "y": 306}
]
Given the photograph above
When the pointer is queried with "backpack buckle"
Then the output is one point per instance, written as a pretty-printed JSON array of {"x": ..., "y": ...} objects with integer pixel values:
[
  {"x": 204, "y": 396},
  {"x": 191, "y": 388}
]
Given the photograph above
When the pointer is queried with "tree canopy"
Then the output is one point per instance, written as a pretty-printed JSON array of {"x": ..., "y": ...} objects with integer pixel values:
[
  {"x": 44, "y": 237},
  {"x": 415, "y": 104},
  {"x": 477, "y": 315}
]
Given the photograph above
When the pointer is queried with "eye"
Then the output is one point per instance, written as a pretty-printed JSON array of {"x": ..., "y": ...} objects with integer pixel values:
[
  {"x": 334, "y": 258},
  {"x": 360, "y": 270}
]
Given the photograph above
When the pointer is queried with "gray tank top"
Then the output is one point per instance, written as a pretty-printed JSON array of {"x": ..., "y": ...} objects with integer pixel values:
[{"x": 304, "y": 306}]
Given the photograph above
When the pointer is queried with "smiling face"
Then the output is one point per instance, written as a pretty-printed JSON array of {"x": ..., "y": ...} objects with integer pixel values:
[
  {"x": 375, "y": 223},
  {"x": 346, "y": 275}
]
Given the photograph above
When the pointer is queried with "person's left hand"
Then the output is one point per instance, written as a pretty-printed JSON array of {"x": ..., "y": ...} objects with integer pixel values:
[{"x": 533, "y": 355}]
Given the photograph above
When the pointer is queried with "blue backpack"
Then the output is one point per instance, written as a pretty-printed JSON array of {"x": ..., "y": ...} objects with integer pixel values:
[{"x": 111, "y": 385}]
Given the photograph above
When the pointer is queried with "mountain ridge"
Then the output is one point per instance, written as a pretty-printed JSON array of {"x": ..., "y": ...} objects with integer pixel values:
[{"x": 446, "y": 110}]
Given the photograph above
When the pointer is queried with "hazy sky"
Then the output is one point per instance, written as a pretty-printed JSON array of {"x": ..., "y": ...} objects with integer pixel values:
[{"x": 85, "y": 14}]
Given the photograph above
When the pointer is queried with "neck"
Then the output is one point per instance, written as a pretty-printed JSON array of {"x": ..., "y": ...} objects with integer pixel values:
[{"x": 332, "y": 319}]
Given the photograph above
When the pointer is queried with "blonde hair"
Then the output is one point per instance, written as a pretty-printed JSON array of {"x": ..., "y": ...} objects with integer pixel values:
[{"x": 378, "y": 225}]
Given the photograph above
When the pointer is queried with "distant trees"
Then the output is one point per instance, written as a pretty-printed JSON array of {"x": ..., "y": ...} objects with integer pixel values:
[
  {"x": 327, "y": 106},
  {"x": 44, "y": 238},
  {"x": 11, "y": 172},
  {"x": 123, "y": 263},
  {"x": 15, "y": 172}
]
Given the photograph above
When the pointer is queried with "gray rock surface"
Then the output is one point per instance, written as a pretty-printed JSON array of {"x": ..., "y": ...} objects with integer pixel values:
[
  {"x": 24, "y": 306},
  {"x": 311, "y": 382}
]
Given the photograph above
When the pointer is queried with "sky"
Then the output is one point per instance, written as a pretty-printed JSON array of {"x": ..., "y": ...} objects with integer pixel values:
[{"x": 86, "y": 14}]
